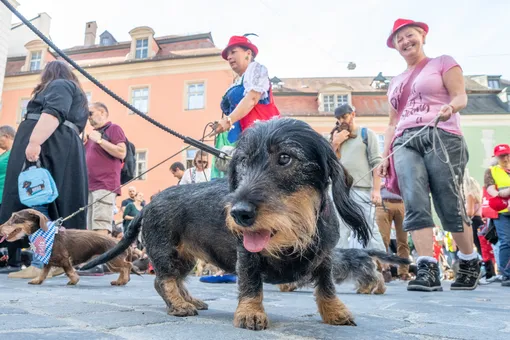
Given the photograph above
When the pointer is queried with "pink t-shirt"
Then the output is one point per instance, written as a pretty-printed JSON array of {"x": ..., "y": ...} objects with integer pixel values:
[{"x": 428, "y": 93}]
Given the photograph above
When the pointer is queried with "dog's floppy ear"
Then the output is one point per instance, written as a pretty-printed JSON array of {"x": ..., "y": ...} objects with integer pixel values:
[
  {"x": 351, "y": 212},
  {"x": 43, "y": 220}
]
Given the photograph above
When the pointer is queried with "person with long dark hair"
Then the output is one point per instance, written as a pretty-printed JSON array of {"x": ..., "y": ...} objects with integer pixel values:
[{"x": 50, "y": 133}]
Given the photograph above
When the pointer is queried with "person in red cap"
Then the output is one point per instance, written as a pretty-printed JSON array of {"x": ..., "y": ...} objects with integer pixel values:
[
  {"x": 497, "y": 184},
  {"x": 250, "y": 98},
  {"x": 428, "y": 89}
]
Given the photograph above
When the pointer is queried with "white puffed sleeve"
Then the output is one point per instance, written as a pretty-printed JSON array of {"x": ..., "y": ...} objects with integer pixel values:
[{"x": 256, "y": 78}]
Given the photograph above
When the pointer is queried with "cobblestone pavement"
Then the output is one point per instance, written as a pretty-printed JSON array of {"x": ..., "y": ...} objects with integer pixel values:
[{"x": 96, "y": 310}]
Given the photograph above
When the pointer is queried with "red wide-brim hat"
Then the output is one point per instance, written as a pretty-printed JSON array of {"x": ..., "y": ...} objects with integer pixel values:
[
  {"x": 400, "y": 23},
  {"x": 239, "y": 41}
]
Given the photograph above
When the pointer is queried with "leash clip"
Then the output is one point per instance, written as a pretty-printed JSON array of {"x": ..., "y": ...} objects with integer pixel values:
[{"x": 59, "y": 222}]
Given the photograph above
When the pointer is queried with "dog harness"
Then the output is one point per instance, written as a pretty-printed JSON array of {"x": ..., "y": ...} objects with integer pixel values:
[{"x": 41, "y": 242}]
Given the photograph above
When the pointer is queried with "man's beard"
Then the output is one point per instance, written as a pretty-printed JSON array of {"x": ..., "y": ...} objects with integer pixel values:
[{"x": 345, "y": 126}]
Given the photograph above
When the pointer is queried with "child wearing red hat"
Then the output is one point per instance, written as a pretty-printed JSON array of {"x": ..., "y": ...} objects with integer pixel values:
[{"x": 497, "y": 183}]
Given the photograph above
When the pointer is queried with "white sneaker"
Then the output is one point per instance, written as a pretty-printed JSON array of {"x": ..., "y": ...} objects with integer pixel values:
[{"x": 495, "y": 278}]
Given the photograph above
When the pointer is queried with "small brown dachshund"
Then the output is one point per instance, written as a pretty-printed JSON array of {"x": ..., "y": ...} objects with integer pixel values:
[{"x": 70, "y": 247}]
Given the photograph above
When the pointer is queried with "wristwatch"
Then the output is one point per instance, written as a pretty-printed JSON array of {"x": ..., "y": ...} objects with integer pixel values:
[{"x": 100, "y": 141}]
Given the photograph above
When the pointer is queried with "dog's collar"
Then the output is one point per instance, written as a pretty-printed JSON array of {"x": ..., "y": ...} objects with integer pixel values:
[{"x": 57, "y": 227}]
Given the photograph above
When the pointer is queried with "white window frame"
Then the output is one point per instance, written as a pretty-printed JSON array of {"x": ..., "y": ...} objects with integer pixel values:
[
  {"x": 141, "y": 50},
  {"x": 191, "y": 91},
  {"x": 35, "y": 60},
  {"x": 22, "y": 109},
  {"x": 134, "y": 98},
  {"x": 331, "y": 100},
  {"x": 338, "y": 102},
  {"x": 493, "y": 82},
  {"x": 143, "y": 163}
]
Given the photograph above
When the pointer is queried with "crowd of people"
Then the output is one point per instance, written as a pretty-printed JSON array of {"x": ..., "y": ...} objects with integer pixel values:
[{"x": 393, "y": 189}]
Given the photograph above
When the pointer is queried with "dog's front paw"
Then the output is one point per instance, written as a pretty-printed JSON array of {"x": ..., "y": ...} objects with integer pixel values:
[
  {"x": 35, "y": 281},
  {"x": 340, "y": 318},
  {"x": 288, "y": 287},
  {"x": 364, "y": 290},
  {"x": 255, "y": 321},
  {"x": 119, "y": 283},
  {"x": 184, "y": 309},
  {"x": 199, "y": 304},
  {"x": 73, "y": 282},
  {"x": 334, "y": 312}
]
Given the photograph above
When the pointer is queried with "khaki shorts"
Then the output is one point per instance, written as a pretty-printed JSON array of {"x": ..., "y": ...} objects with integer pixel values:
[{"x": 100, "y": 215}]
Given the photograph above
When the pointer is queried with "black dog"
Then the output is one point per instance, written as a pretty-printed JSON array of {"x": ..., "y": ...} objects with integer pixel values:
[{"x": 273, "y": 222}]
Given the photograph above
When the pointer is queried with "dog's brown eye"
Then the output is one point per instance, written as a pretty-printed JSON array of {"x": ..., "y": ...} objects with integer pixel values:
[{"x": 284, "y": 159}]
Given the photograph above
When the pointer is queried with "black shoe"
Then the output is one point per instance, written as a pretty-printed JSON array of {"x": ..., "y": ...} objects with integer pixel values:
[
  {"x": 489, "y": 270},
  {"x": 427, "y": 278},
  {"x": 468, "y": 275},
  {"x": 10, "y": 269},
  {"x": 505, "y": 282},
  {"x": 94, "y": 271}
]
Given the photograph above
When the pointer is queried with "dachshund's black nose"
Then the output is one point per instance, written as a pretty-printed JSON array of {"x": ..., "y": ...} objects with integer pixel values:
[{"x": 244, "y": 213}]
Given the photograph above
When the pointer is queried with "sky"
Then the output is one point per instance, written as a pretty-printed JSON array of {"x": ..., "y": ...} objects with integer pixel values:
[{"x": 302, "y": 38}]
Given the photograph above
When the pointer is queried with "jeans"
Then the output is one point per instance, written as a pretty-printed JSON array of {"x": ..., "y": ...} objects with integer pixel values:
[
  {"x": 502, "y": 224},
  {"x": 421, "y": 169}
]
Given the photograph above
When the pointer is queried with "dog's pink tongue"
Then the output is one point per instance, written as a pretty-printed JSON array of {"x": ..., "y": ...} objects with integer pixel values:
[
  {"x": 256, "y": 241},
  {"x": 2, "y": 239}
]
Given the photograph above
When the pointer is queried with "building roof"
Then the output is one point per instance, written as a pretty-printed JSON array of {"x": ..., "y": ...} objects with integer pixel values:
[
  {"x": 377, "y": 105},
  {"x": 171, "y": 47},
  {"x": 354, "y": 84},
  {"x": 485, "y": 103}
]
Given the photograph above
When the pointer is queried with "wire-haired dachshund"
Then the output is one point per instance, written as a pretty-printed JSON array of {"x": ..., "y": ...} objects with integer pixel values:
[{"x": 272, "y": 221}]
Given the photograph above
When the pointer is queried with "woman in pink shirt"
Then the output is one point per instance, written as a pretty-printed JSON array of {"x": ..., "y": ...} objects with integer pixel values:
[{"x": 428, "y": 88}]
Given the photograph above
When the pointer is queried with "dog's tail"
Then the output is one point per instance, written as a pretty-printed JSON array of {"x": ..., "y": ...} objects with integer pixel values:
[
  {"x": 387, "y": 258},
  {"x": 130, "y": 236}
]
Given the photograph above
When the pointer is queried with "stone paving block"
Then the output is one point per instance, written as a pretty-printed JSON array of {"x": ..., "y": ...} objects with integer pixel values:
[
  {"x": 28, "y": 321},
  {"x": 95, "y": 310},
  {"x": 71, "y": 334},
  {"x": 454, "y": 332},
  {"x": 314, "y": 331},
  {"x": 77, "y": 308},
  {"x": 194, "y": 331},
  {"x": 111, "y": 320},
  {"x": 11, "y": 310}
]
